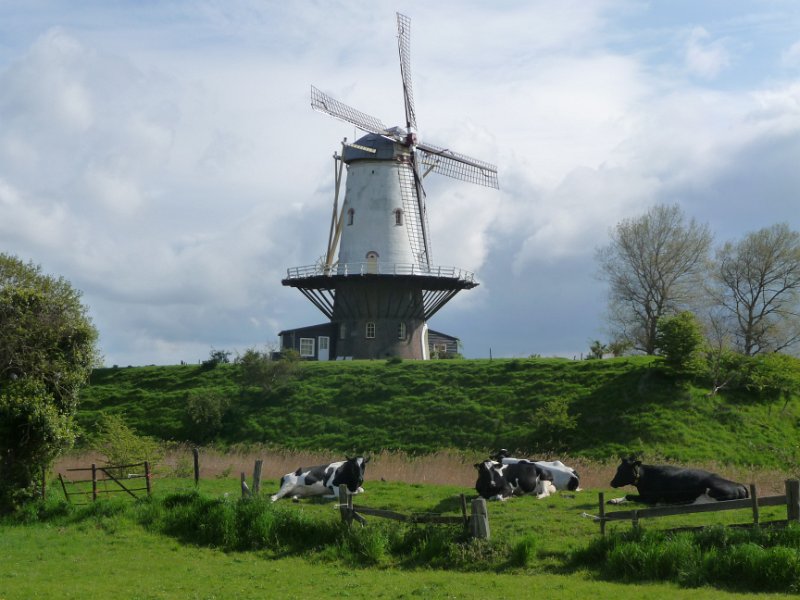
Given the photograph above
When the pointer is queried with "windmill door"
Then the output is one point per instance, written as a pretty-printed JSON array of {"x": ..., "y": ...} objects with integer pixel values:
[{"x": 322, "y": 347}]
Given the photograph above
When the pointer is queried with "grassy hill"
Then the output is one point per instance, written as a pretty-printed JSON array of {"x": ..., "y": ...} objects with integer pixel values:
[{"x": 595, "y": 409}]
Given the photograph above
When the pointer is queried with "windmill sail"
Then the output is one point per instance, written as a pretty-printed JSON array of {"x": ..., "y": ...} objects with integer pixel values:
[{"x": 416, "y": 219}]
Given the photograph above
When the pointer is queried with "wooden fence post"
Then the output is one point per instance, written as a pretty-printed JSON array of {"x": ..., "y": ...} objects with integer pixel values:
[
  {"x": 245, "y": 489},
  {"x": 345, "y": 507},
  {"x": 479, "y": 522},
  {"x": 257, "y": 477},
  {"x": 196, "y": 457},
  {"x": 602, "y": 511},
  {"x": 147, "y": 477},
  {"x": 792, "y": 500},
  {"x": 754, "y": 500},
  {"x": 94, "y": 482},
  {"x": 64, "y": 487}
]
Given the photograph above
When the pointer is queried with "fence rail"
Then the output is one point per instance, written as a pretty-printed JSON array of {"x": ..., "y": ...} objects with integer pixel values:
[
  {"x": 791, "y": 499},
  {"x": 477, "y": 523}
]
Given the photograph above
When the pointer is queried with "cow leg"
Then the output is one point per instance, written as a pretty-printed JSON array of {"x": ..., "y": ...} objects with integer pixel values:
[{"x": 281, "y": 492}]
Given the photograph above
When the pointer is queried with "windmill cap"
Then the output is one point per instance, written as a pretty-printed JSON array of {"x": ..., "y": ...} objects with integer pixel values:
[{"x": 383, "y": 149}]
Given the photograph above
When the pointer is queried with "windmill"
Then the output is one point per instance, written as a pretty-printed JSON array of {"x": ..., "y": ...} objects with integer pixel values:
[{"x": 377, "y": 282}]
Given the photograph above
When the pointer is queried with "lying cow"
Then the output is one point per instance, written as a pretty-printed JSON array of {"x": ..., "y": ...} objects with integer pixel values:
[
  {"x": 497, "y": 481},
  {"x": 564, "y": 477},
  {"x": 323, "y": 480},
  {"x": 673, "y": 485}
]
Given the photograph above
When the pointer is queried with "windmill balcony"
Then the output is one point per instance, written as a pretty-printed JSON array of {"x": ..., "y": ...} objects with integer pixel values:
[{"x": 377, "y": 268}]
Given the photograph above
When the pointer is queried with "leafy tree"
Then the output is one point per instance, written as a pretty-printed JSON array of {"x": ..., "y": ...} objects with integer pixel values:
[
  {"x": 618, "y": 347},
  {"x": 205, "y": 411},
  {"x": 680, "y": 340},
  {"x": 597, "y": 349},
  {"x": 775, "y": 375},
  {"x": 260, "y": 370},
  {"x": 652, "y": 265},
  {"x": 758, "y": 288},
  {"x": 121, "y": 445},
  {"x": 47, "y": 350}
]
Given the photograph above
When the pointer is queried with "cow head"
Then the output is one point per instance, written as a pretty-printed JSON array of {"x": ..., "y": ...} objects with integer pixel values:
[
  {"x": 500, "y": 455},
  {"x": 352, "y": 472},
  {"x": 490, "y": 481},
  {"x": 627, "y": 473}
]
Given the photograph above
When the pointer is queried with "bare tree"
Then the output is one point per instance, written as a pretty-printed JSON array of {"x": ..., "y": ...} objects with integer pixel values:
[
  {"x": 758, "y": 288},
  {"x": 652, "y": 265}
]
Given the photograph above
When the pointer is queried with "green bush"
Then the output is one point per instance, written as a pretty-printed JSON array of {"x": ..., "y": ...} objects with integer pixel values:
[{"x": 121, "y": 445}]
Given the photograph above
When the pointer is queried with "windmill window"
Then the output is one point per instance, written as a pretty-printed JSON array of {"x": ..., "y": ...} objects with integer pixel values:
[
  {"x": 342, "y": 331},
  {"x": 370, "y": 332},
  {"x": 306, "y": 346},
  {"x": 398, "y": 216},
  {"x": 401, "y": 331},
  {"x": 350, "y": 214}
]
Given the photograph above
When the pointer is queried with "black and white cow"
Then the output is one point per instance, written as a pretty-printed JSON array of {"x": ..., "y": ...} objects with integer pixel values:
[
  {"x": 497, "y": 481},
  {"x": 673, "y": 485},
  {"x": 323, "y": 480},
  {"x": 564, "y": 477}
]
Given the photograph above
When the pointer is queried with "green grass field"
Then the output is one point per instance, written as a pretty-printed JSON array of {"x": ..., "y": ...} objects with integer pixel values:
[
  {"x": 594, "y": 409},
  {"x": 115, "y": 549},
  {"x": 412, "y": 412}
]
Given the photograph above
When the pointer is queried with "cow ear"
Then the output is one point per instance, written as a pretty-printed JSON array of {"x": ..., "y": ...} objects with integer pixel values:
[
  {"x": 366, "y": 460},
  {"x": 348, "y": 458},
  {"x": 477, "y": 465},
  {"x": 637, "y": 463}
]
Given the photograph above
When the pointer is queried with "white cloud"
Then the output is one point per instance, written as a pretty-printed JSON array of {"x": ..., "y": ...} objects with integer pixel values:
[
  {"x": 167, "y": 162},
  {"x": 791, "y": 56},
  {"x": 704, "y": 57}
]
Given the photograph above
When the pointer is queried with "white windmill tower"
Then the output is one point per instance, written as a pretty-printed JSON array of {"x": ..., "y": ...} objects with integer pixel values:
[{"x": 382, "y": 287}]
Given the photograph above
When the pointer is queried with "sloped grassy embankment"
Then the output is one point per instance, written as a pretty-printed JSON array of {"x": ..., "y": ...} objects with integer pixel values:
[{"x": 595, "y": 409}]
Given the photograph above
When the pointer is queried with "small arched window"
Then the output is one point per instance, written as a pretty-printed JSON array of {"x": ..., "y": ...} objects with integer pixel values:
[
  {"x": 350, "y": 215},
  {"x": 398, "y": 216},
  {"x": 401, "y": 331},
  {"x": 370, "y": 332},
  {"x": 342, "y": 331}
]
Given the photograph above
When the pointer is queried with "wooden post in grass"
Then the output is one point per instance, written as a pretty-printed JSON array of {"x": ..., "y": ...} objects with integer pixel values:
[
  {"x": 602, "y": 511},
  {"x": 196, "y": 457},
  {"x": 480, "y": 520},
  {"x": 64, "y": 487},
  {"x": 257, "y": 477},
  {"x": 345, "y": 504},
  {"x": 245, "y": 489},
  {"x": 147, "y": 477},
  {"x": 754, "y": 500},
  {"x": 792, "y": 500},
  {"x": 94, "y": 482}
]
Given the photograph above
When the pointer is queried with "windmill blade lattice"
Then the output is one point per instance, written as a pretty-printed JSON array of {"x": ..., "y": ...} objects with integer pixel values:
[
  {"x": 322, "y": 102},
  {"x": 458, "y": 166},
  {"x": 416, "y": 223},
  {"x": 404, "y": 47}
]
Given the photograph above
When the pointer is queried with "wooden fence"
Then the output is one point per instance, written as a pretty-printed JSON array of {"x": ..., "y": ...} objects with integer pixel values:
[
  {"x": 102, "y": 478},
  {"x": 791, "y": 499},
  {"x": 477, "y": 523}
]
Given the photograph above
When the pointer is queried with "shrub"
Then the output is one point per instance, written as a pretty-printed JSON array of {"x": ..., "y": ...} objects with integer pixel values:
[
  {"x": 680, "y": 340},
  {"x": 121, "y": 445}
]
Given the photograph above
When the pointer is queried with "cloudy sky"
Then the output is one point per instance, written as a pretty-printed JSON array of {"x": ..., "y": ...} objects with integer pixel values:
[{"x": 163, "y": 156}]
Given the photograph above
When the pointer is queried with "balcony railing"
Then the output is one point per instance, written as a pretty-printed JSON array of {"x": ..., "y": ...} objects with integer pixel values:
[{"x": 372, "y": 268}]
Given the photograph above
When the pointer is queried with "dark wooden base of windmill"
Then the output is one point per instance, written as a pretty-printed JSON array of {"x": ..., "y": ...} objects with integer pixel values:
[{"x": 379, "y": 316}]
